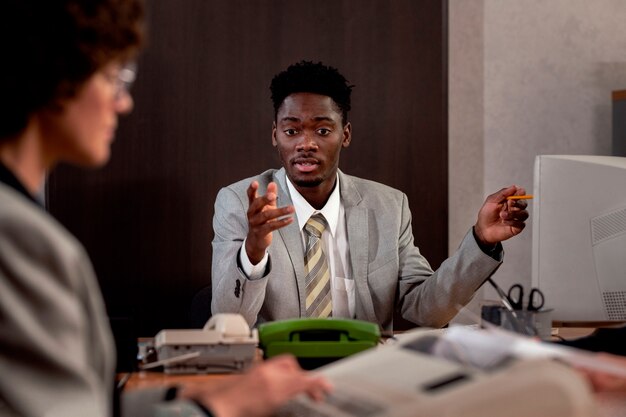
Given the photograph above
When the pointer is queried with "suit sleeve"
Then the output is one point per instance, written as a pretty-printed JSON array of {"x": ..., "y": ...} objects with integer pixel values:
[
  {"x": 48, "y": 361},
  {"x": 233, "y": 292},
  {"x": 433, "y": 298}
]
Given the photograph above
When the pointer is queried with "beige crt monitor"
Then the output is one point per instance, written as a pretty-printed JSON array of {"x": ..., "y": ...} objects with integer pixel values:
[{"x": 579, "y": 236}]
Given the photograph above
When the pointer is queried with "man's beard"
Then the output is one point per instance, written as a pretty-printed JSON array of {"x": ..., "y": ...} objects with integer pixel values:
[{"x": 309, "y": 183}]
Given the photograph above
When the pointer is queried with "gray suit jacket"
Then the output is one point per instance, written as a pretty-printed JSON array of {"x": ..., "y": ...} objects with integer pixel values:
[
  {"x": 387, "y": 267},
  {"x": 57, "y": 357}
]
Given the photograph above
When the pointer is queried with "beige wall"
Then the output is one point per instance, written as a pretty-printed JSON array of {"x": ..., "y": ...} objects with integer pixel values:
[{"x": 527, "y": 77}]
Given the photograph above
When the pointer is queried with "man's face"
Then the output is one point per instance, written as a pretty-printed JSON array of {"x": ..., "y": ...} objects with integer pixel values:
[{"x": 309, "y": 135}]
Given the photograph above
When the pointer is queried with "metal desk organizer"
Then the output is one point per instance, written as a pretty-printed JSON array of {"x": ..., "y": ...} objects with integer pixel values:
[
  {"x": 514, "y": 314},
  {"x": 317, "y": 342},
  {"x": 531, "y": 323}
]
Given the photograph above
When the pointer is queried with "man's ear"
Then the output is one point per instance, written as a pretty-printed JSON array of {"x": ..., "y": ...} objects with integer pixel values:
[
  {"x": 274, "y": 134},
  {"x": 347, "y": 135}
]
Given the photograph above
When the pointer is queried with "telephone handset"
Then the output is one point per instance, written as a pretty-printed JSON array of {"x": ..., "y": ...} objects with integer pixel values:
[
  {"x": 316, "y": 342},
  {"x": 228, "y": 326}
]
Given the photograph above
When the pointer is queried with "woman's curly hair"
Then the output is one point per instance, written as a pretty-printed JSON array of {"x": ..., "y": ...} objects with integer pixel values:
[{"x": 51, "y": 47}]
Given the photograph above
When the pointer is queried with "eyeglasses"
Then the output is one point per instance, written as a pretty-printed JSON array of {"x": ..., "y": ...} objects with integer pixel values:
[{"x": 123, "y": 79}]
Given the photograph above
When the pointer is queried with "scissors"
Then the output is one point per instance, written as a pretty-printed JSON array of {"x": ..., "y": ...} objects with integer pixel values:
[{"x": 516, "y": 298}]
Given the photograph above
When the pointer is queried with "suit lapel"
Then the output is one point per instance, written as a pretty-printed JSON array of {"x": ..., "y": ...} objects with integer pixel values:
[
  {"x": 292, "y": 240},
  {"x": 358, "y": 241}
]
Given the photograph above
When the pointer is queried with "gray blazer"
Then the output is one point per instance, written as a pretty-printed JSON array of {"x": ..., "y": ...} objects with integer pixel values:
[
  {"x": 387, "y": 267},
  {"x": 57, "y": 357}
]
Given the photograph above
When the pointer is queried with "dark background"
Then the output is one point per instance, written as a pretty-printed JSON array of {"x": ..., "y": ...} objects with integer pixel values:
[{"x": 202, "y": 120}]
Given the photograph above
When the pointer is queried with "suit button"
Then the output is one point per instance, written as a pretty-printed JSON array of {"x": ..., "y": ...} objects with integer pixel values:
[{"x": 237, "y": 288}]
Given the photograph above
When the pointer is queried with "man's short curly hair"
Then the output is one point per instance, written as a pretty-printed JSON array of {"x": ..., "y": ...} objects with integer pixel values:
[
  {"x": 51, "y": 47},
  {"x": 309, "y": 77}
]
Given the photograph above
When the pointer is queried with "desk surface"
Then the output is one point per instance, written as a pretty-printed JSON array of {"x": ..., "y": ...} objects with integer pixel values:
[
  {"x": 572, "y": 332},
  {"x": 609, "y": 404},
  {"x": 147, "y": 379}
]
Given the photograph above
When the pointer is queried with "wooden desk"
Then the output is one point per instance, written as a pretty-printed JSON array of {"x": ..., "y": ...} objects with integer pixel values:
[
  {"x": 150, "y": 379},
  {"x": 609, "y": 404},
  {"x": 569, "y": 333}
]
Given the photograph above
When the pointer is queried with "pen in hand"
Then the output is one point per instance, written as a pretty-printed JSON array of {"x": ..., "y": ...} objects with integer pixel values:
[{"x": 520, "y": 197}]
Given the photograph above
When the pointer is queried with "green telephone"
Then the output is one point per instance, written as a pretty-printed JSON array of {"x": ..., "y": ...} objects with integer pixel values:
[{"x": 316, "y": 342}]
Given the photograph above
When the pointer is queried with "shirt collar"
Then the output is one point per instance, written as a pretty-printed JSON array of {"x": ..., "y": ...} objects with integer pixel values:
[
  {"x": 304, "y": 210},
  {"x": 8, "y": 178}
]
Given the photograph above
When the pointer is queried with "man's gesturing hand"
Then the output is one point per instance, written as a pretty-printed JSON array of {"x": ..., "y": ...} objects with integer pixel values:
[
  {"x": 263, "y": 218},
  {"x": 500, "y": 219}
]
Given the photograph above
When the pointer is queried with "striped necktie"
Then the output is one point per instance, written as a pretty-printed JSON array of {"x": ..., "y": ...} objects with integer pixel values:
[{"x": 318, "y": 298}]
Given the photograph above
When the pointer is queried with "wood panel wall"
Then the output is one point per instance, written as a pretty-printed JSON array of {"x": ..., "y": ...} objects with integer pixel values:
[{"x": 203, "y": 117}]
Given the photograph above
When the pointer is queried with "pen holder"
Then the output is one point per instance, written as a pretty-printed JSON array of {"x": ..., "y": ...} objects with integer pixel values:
[{"x": 531, "y": 323}]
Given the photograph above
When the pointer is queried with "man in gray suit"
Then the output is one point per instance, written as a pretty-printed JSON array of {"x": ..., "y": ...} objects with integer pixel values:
[{"x": 259, "y": 249}]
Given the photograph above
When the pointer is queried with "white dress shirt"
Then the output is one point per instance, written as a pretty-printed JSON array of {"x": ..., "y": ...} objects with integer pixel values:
[{"x": 335, "y": 244}]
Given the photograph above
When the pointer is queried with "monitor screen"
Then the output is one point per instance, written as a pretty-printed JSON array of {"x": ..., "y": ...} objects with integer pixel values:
[{"x": 579, "y": 236}]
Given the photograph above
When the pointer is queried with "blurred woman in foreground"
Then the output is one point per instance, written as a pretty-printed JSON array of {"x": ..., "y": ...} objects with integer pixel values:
[{"x": 63, "y": 83}]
